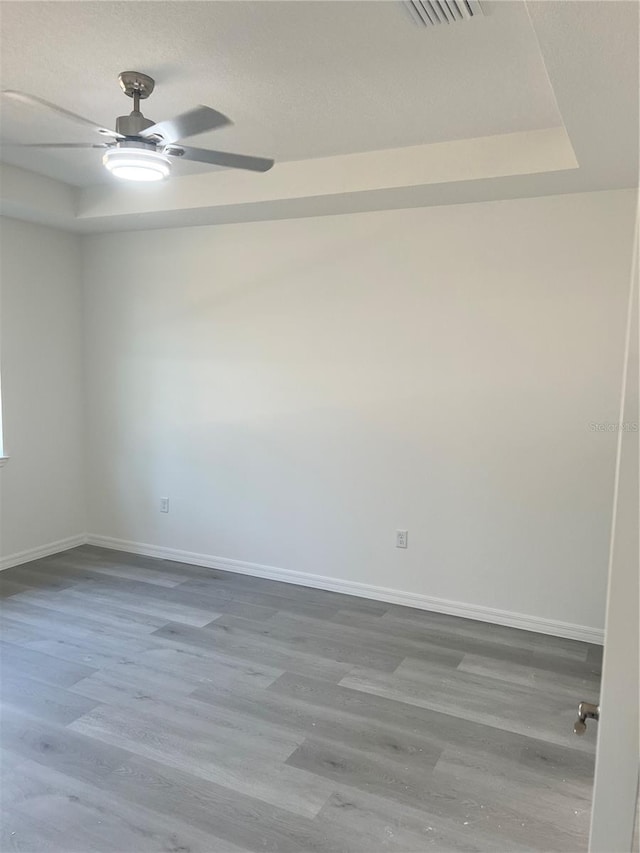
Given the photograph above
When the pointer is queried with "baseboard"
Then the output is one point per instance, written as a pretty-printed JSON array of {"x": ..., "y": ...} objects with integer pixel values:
[
  {"x": 362, "y": 590},
  {"x": 42, "y": 551}
]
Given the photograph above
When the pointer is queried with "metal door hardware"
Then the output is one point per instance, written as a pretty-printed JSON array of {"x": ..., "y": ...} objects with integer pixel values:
[{"x": 586, "y": 711}]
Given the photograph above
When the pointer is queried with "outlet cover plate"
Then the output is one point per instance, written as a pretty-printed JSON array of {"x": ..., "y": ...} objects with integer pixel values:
[{"x": 402, "y": 538}]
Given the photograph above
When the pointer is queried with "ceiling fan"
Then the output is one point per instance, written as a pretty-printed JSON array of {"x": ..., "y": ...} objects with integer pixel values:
[{"x": 141, "y": 150}]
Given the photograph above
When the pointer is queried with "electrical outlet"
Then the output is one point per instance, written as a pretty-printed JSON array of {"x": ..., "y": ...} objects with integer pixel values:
[
  {"x": 401, "y": 538},
  {"x": 164, "y": 504}
]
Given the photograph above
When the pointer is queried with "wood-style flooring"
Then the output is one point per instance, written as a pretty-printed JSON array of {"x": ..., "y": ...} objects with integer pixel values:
[{"x": 149, "y": 705}]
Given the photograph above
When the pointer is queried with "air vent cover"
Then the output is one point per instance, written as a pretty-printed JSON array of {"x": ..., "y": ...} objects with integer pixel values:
[{"x": 431, "y": 13}]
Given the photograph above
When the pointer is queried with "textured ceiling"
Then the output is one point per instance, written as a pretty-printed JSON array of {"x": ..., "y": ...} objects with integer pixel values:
[{"x": 299, "y": 79}]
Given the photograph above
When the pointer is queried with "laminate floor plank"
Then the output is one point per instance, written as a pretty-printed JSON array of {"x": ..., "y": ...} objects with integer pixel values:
[
  {"x": 248, "y": 595},
  {"x": 42, "y": 700},
  {"x": 269, "y": 708},
  {"x": 140, "y": 574},
  {"x": 81, "y": 757},
  {"x": 371, "y": 823},
  {"x": 535, "y": 677},
  {"x": 529, "y": 651},
  {"x": 210, "y": 733},
  {"x": 95, "y": 650},
  {"x": 331, "y": 647},
  {"x": 19, "y": 633},
  {"x": 235, "y": 817},
  {"x": 438, "y": 728},
  {"x": 259, "y": 773},
  {"x": 36, "y": 577},
  {"x": 22, "y": 661},
  {"x": 194, "y": 716},
  {"x": 128, "y": 589},
  {"x": 566, "y": 806},
  {"x": 183, "y": 672},
  {"x": 256, "y": 612},
  {"x": 101, "y": 820},
  {"x": 492, "y": 702},
  {"x": 454, "y": 803},
  {"x": 485, "y": 631},
  {"x": 126, "y": 597},
  {"x": 152, "y": 677},
  {"x": 10, "y": 587},
  {"x": 77, "y": 614},
  {"x": 25, "y": 833},
  {"x": 68, "y": 566},
  {"x": 90, "y": 554},
  {"x": 372, "y": 638},
  {"x": 149, "y": 705},
  {"x": 259, "y": 650},
  {"x": 396, "y": 779},
  {"x": 294, "y": 592}
]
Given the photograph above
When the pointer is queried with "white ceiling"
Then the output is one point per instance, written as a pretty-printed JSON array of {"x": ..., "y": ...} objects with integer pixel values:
[
  {"x": 299, "y": 79},
  {"x": 537, "y": 98}
]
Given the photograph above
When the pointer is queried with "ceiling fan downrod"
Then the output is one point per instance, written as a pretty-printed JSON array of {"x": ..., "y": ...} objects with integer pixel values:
[{"x": 137, "y": 86}]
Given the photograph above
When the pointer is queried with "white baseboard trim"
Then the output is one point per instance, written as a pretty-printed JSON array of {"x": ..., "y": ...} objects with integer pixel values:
[
  {"x": 42, "y": 551},
  {"x": 362, "y": 590}
]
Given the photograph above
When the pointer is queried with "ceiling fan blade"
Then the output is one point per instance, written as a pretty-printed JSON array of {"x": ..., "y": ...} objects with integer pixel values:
[
  {"x": 33, "y": 101},
  {"x": 221, "y": 158},
  {"x": 197, "y": 120},
  {"x": 55, "y": 145}
]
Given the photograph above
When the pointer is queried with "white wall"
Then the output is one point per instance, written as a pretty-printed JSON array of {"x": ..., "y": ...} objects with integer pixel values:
[
  {"x": 41, "y": 486},
  {"x": 300, "y": 389}
]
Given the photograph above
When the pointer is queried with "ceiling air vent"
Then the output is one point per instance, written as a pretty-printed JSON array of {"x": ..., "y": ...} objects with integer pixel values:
[{"x": 431, "y": 13}]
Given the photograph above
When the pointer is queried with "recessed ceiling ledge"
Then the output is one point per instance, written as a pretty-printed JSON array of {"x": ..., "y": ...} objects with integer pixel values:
[{"x": 522, "y": 153}]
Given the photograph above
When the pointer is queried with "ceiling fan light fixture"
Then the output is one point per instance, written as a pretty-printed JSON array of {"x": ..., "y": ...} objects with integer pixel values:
[
  {"x": 140, "y": 150},
  {"x": 137, "y": 164}
]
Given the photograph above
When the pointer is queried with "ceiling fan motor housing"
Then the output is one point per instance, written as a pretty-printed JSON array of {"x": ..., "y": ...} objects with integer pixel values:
[{"x": 132, "y": 124}]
